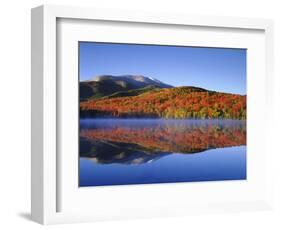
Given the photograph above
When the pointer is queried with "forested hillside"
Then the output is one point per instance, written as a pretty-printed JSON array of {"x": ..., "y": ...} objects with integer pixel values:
[{"x": 176, "y": 103}]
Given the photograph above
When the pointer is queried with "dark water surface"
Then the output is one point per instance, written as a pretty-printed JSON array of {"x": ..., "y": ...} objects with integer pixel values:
[{"x": 141, "y": 151}]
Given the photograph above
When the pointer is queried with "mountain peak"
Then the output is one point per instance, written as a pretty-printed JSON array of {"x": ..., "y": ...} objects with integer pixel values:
[
  {"x": 139, "y": 78},
  {"x": 105, "y": 85},
  {"x": 136, "y": 80}
]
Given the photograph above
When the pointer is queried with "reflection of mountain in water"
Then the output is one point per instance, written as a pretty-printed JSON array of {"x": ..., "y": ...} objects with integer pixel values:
[
  {"x": 114, "y": 152},
  {"x": 132, "y": 142}
]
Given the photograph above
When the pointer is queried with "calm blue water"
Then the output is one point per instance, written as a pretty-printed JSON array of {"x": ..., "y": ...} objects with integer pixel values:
[{"x": 135, "y": 151}]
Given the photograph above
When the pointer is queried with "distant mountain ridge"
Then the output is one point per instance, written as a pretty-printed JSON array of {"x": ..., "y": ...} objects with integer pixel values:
[
  {"x": 137, "y": 80},
  {"x": 105, "y": 85}
]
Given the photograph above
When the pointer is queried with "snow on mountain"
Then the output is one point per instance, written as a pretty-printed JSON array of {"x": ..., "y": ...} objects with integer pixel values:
[{"x": 137, "y": 80}]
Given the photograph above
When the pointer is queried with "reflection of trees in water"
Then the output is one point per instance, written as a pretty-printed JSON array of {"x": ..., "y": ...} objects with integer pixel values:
[
  {"x": 112, "y": 141},
  {"x": 172, "y": 138}
]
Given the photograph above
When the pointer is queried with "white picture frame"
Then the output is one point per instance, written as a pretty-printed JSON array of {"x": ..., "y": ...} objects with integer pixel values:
[{"x": 47, "y": 175}]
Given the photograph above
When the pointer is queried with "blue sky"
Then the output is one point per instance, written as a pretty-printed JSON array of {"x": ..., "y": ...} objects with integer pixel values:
[{"x": 218, "y": 69}]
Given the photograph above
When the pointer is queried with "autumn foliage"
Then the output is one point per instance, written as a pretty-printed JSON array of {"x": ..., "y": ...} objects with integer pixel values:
[{"x": 175, "y": 103}]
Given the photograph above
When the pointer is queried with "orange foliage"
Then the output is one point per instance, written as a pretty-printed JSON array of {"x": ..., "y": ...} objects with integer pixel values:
[{"x": 176, "y": 103}]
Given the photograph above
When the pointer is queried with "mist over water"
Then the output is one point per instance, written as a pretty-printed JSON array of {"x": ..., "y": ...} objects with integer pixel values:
[{"x": 140, "y": 151}]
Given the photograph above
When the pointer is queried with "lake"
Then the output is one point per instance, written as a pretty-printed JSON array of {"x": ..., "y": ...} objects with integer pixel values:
[{"x": 145, "y": 151}]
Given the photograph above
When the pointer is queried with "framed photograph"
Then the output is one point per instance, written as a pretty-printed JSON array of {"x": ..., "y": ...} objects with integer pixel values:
[
  {"x": 141, "y": 114},
  {"x": 186, "y": 125}
]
